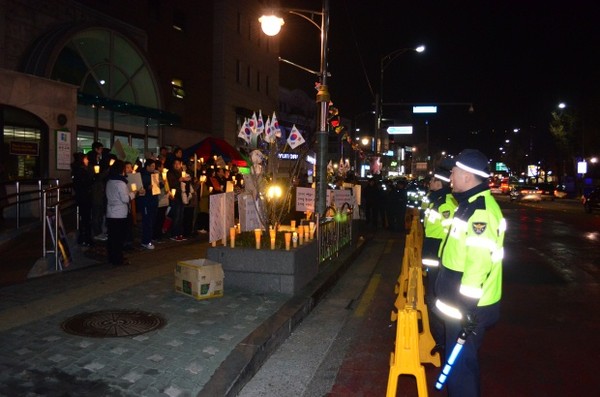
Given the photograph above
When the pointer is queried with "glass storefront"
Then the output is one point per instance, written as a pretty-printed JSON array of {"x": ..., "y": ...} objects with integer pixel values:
[{"x": 22, "y": 141}]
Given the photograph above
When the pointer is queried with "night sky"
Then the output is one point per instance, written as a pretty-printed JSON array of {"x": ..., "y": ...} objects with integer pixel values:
[{"x": 514, "y": 60}]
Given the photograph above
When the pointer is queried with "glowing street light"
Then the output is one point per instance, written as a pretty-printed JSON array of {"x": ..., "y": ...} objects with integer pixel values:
[
  {"x": 271, "y": 25},
  {"x": 383, "y": 64}
]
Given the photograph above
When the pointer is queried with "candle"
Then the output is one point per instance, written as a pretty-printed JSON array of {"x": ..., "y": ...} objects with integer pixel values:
[
  {"x": 232, "y": 233},
  {"x": 133, "y": 187},
  {"x": 111, "y": 162},
  {"x": 288, "y": 238},
  {"x": 135, "y": 167},
  {"x": 295, "y": 239},
  {"x": 96, "y": 169},
  {"x": 183, "y": 174},
  {"x": 239, "y": 228},
  {"x": 272, "y": 235},
  {"x": 300, "y": 236},
  {"x": 306, "y": 232},
  {"x": 293, "y": 223},
  {"x": 173, "y": 193},
  {"x": 312, "y": 230},
  {"x": 257, "y": 233}
]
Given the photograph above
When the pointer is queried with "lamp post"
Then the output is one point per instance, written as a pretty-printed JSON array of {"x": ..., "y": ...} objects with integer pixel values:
[
  {"x": 383, "y": 64},
  {"x": 271, "y": 25}
]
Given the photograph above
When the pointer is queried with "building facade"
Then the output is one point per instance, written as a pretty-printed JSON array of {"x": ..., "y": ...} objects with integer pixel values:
[{"x": 145, "y": 73}]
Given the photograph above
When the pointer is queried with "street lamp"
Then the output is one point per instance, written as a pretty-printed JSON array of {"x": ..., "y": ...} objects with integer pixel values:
[
  {"x": 271, "y": 25},
  {"x": 383, "y": 64}
]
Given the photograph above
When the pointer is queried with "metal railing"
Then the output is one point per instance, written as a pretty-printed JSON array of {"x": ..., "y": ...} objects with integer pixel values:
[
  {"x": 334, "y": 231},
  {"x": 23, "y": 196},
  {"x": 52, "y": 205}
]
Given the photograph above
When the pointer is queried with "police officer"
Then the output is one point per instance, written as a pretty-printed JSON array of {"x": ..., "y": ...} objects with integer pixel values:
[
  {"x": 469, "y": 282},
  {"x": 439, "y": 210}
]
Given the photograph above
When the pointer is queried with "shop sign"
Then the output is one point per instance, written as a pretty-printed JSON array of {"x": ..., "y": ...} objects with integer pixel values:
[
  {"x": 63, "y": 150},
  {"x": 20, "y": 148}
]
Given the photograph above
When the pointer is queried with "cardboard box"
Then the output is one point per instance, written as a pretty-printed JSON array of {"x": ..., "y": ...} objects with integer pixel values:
[{"x": 200, "y": 278}]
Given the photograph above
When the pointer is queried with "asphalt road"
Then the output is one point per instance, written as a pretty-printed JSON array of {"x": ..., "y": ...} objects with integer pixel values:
[{"x": 544, "y": 345}]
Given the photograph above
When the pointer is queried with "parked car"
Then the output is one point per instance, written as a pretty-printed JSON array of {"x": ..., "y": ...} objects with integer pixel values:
[
  {"x": 591, "y": 200},
  {"x": 532, "y": 192}
]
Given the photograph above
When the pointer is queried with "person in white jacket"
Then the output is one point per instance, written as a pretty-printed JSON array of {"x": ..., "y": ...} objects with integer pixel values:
[{"x": 118, "y": 197}]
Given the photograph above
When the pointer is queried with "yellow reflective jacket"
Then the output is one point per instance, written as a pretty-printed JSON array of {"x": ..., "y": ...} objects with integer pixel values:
[{"x": 471, "y": 271}]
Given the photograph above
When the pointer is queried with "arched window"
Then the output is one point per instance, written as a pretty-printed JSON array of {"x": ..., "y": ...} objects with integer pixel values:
[
  {"x": 104, "y": 63},
  {"x": 118, "y": 97}
]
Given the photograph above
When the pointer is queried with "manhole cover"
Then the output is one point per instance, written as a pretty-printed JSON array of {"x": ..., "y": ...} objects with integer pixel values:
[{"x": 113, "y": 323}]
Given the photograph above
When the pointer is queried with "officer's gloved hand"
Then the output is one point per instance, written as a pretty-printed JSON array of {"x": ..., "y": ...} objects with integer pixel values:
[{"x": 469, "y": 323}]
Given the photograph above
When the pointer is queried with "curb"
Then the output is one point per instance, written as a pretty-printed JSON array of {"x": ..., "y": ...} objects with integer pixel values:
[{"x": 249, "y": 355}]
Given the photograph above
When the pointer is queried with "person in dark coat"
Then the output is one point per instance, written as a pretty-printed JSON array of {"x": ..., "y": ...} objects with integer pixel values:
[
  {"x": 82, "y": 186},
  {"x": 99, "y": 162},
  {"x": 147, "y": 203}
]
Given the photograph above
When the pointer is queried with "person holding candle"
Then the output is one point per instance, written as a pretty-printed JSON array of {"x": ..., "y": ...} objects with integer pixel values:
[
  {"x": 203, "y": 205},
  {"x": 132, "y": 216},
  {"x": 174, "y": 178},
  {"x": 98, "y": 160},
  {"x": 163, "y": 200},
  {"x": 118, "y": 197},
  {"x": 82, "y": 185},
  {"x": 148, "y": 202}
]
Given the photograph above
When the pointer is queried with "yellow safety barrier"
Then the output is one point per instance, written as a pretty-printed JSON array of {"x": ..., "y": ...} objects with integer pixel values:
[
  {"x": 415, "y": 301},
  {"x": 412, "y": 348},
  {"x": 404, "y": 360}
]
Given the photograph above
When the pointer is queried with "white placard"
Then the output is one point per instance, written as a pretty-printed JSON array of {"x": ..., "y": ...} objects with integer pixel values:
[
  {"x": 249, "y": 219},
  {"x": 356, "y": 191},
  {"x": 155, "y": 184},
  {"x": 221, "y": 216},
  {"x": 134, "y": 178},
  {"x": 305, "y": 199},
  {"x": 63, "y": 150},
  {"x": 340, "y": 197}
]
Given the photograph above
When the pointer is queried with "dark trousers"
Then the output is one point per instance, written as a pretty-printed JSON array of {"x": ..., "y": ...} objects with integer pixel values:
[
  {"x": 117, "y": 231},
  {"x": 176, "y": 214},
  {"x": 436, "y": 324},
  {"x": 149, "y": 211},
  {"x": 98, "y": 211},
  {"x": 202, "y": 221},
  {"x": 464, "y": 380},
  {"x": 85, "y": 223},
  {"x": 158, "y": 223}
]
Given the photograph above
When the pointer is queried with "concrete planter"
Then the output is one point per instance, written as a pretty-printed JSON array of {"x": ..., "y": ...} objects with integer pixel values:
[{"x": 267, "y": 270}]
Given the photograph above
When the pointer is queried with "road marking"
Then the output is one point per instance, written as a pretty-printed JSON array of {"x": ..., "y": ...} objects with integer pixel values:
[{"x": 368, "y": 296}]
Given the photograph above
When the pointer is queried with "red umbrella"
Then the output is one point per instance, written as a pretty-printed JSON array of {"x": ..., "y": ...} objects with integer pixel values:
[{"x": 212, "y": 146}]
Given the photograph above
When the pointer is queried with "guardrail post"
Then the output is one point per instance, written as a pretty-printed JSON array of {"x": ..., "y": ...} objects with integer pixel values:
[
  {"x": 44, "y": 233},
  {"x": 42, "y": 212},
  {"x": 18, "y": 213}
]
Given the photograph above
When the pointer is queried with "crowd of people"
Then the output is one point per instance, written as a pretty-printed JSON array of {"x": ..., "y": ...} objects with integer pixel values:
[{"x": 171, "y": 203}]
